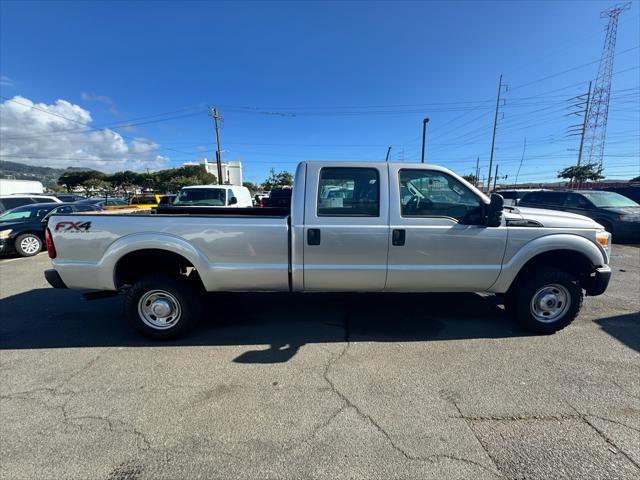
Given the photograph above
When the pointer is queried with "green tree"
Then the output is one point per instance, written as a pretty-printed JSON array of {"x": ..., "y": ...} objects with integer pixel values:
[
  {"x": 172, "y": 179},
  {"x": 252, "y": 187},
  {"x": 71, "y": 179},
  {"x": 636, "y": 179},
  {"x": 581, "y": 173},
  {"x": 279, "y": 179},
  {"x": 470, "y": 178},
  {"x": 125, "y": 181}
]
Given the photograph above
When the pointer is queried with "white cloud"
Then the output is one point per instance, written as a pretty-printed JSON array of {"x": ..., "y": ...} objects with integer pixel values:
[
  {"x": 60, "y": 135},
  {"x": 5, "y": 81}
]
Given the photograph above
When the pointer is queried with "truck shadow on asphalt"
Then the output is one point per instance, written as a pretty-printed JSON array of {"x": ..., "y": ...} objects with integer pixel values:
[{"x": 49, "y": 318}]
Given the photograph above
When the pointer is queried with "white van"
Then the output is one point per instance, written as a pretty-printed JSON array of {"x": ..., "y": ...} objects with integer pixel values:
[{"x": 231, "y": 196}]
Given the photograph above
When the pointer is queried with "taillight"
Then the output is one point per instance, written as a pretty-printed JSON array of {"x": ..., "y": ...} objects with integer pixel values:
[
  {"x": 261, "y": 203},
  {"x": 48, "y": 240}
]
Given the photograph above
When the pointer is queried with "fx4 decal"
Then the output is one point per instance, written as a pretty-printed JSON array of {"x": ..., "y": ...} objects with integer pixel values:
[{"x": 72, "y": 226}]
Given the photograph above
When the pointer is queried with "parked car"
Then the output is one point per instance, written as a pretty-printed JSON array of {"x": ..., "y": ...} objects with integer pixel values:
[
  {"x": 22, "y": 229},
  {"x": 279, "y": 197},
  {"x": 99, "y": 203},
  {"x": 513, "y": 197},
  {"x": 7, "y": 202},
  {"x": 69, "y": 197},
  {"x": 145, "y": 201},
  {"x": 166, "y": 200},
  {"x": 373, "y": 240},
  {"x": 258, "y": 199},
  {"x": 616, "y": 213},
  {"x": 232, "y": 196}
]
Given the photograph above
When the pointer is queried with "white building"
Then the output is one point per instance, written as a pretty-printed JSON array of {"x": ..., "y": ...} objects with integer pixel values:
[{"x": 231, "y": 171}]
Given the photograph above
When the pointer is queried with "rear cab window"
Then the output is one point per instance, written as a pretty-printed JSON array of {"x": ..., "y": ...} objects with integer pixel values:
[{"x": 348, "y": 192}]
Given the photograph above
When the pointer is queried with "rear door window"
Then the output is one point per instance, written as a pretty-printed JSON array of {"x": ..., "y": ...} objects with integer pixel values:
[{"x": 351, "y": 192}]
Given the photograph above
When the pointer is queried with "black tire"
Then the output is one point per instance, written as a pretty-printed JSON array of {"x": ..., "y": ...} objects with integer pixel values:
[
  {"x": 173, "y": 291},
  {"x": 559, "y": 284},
  {"x": 28, "y": 245}
]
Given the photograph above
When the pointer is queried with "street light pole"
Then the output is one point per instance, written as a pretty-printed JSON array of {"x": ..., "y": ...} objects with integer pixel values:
[{"x": 424, "y": 135}]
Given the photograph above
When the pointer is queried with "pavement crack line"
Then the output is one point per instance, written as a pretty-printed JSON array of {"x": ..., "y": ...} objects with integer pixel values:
[
  {"x": 585, "y": 419},
  {"x": 348, "y": 403},
  {"x": 482, "y": 445}
]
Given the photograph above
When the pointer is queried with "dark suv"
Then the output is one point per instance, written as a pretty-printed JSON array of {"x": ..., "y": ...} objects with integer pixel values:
[{"x": 618, "y": 214}]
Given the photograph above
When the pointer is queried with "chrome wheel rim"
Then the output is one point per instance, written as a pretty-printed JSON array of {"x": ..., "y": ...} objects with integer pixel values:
[
  {"x": 159, "y": 309},
  {"x": 30, "y": 245},
  {"x": 550, "y": 303}
]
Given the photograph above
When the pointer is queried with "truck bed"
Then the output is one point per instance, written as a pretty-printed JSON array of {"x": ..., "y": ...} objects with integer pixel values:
[{"x": 230, "y": 250}]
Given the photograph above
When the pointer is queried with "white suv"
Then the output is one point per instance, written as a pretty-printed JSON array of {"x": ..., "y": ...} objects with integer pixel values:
[{"x": 7, "y": 202}]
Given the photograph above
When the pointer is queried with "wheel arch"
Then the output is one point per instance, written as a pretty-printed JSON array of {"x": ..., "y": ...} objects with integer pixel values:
[
  {"x": 571, "y": 253},
  {"x": 137, "y": 255}
]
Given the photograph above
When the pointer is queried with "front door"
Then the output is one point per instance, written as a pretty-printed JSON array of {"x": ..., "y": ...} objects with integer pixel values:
[
  {"x": 346, "y": 233},
  {"x": 438, "y": 242}
]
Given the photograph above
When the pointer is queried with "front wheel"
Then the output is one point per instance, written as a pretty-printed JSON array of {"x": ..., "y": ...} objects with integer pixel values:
[
  {"x": 162, "y": 307},
  {"x": 28, "y": 244},
  {"x": 546, "y": 301}
]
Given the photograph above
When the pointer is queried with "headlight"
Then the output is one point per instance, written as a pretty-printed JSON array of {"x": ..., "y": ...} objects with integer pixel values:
[
  {"x": 629, "y": 218},
  {"x": 604, "y": 239},
  {"x": 5, "y": 233}
]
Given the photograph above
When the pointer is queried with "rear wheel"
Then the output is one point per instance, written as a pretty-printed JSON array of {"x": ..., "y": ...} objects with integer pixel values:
[
  {"x": 162, "y": 307},
  {"x": 546, "y": 301},
  {"x": 28, "y": 245}
]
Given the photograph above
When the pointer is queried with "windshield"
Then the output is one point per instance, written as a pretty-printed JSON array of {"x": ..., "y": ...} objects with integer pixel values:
[
  {"x": 24, "y": 213},
  {"x": 207, "y": 197},
  {"x": 609, "y": 199}
]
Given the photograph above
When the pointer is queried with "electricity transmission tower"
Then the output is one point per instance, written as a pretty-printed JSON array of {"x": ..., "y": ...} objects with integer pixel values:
[{"x": 599, "y": 105}]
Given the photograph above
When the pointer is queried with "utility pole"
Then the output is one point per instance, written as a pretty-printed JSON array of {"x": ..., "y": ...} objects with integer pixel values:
[
  {"x": 424, "y": 135},
  {"x": 495, "y": 178},
  {"x": 214, "y": 114},
  {"x": 477, "y": 171},
  {"x": 388, "y": 152},
  {"x": 495, "y": 126}
]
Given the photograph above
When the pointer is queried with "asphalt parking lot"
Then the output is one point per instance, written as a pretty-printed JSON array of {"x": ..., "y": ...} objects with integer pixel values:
[{"x": 318, "y": 386}]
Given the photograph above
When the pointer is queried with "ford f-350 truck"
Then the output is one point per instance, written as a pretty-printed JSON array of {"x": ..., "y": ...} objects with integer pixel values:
[{"x": 352, "y": 227}]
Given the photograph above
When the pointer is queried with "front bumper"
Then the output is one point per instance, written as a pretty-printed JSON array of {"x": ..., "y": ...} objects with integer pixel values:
[
  {"x": 6, "y": 245},
  {"x": 626, "y": 232},
  {"x": 597, "y": 282},
  {"x": 53, "y": 277}
]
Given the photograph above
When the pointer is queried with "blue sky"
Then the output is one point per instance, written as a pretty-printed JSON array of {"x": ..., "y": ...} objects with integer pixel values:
[{"x": 330, "y": 80}]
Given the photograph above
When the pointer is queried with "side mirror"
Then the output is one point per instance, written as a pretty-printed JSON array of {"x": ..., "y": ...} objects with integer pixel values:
[
  {"x": 494, "y": 210},
  {"x": 233, "y": 201}
]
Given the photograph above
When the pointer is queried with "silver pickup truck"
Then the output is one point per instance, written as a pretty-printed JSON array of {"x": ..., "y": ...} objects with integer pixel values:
[{"x": 352, "y": 227}]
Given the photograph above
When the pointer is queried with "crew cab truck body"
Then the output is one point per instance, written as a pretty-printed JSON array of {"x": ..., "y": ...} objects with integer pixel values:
[{"x": 352, "y": 227}]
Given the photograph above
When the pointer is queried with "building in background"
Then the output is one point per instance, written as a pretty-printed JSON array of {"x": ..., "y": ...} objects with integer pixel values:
[{"x": 231, "y": 171}]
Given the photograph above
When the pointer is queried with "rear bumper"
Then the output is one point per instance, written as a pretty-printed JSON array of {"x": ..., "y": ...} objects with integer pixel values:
[
  {"x": 53, "y": 277},
  {"x": 598, "y": 281}
]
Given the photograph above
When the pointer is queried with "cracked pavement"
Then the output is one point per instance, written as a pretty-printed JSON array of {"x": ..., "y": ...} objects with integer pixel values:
[{"x": 277, "y": 386}]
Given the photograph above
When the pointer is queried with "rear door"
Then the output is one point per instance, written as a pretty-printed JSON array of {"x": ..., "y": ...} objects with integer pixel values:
[{"x": 346, "y": 232}]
